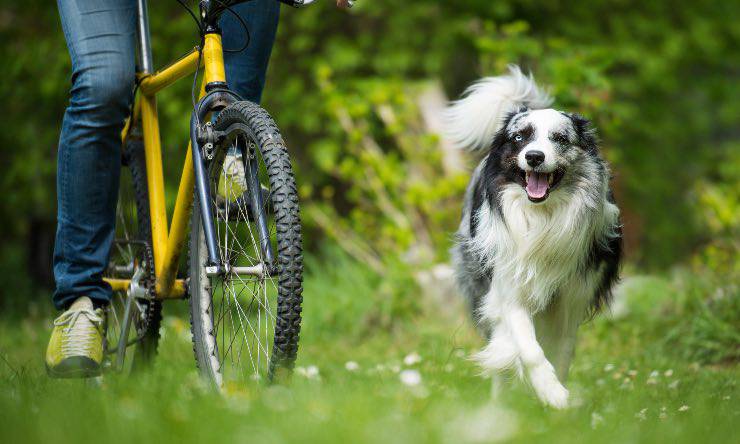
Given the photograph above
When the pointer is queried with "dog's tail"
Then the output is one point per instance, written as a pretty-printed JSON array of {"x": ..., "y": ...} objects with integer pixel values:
[{"x": 472, "y": 121}]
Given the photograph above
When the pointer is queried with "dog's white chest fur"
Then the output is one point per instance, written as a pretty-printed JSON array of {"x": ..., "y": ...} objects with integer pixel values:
[{"x": 536, "y": 249}]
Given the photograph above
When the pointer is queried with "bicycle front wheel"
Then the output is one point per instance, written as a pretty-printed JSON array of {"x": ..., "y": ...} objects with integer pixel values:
[{"x": 246, "y": 321}]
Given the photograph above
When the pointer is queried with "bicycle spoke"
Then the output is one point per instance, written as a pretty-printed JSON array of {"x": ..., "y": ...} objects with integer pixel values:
[{"x": 244, "y": 318}]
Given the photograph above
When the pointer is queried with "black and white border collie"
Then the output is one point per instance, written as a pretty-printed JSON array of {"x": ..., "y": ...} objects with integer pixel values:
[{"x": 539, "y": 244}]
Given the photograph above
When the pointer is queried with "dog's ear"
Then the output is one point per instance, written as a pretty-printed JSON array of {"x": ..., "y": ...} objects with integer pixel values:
[{"x": 586, "y": 133}]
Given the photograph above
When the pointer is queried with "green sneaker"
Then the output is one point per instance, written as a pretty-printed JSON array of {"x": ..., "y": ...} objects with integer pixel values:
[
  {"x": 76, "y": 344},
  {"x": 233, "y": 182}
]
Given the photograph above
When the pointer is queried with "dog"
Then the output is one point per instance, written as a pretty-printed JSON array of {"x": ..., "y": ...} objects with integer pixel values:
[{"x": 539, "y": 245}]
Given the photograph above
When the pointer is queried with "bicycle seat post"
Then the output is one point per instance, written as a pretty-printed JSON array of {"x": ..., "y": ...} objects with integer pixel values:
[{"x": 143, "y": 45}]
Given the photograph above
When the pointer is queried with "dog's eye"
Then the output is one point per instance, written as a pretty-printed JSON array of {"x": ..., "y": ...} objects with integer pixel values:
[
  {"x": 518, "y": 138},
  {"x": 560, "y": 138}
]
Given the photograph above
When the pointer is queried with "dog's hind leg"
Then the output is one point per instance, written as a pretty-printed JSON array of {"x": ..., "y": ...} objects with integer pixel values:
[{"x": 539, "y": 370}]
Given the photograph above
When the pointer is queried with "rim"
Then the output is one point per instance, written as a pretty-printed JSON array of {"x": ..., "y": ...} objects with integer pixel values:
[{"x": 243, "y": 307}]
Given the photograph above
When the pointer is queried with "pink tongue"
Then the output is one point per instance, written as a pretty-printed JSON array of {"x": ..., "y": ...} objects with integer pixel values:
[{"x": 537, "y": 185}]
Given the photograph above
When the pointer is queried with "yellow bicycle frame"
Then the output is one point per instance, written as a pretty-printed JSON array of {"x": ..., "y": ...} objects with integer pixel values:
[{"x": 167, "y": 244}]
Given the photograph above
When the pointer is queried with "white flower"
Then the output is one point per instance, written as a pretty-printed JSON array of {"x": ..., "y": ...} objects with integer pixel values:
[
  {"x": 379, "y": 368},
  {"x": 683, "y": 408},
  {"x": 673, "y": 385},
  {"x": 668, "y": 373},
  {"x": 608, "y": 367},
  {"x": 410, "y": 378},
  {"x": 651, "y": 381},
  {"x": 632, "y": 373},
  {"x": 654, "y": 374},
  {"x": 352, "y": 366},
  {"x": 626, "y": 384},
  {"x": 412, "y": 358},
  {"x": 312, "y": 372},
  {"x": 641, "y": 415},
  {"x": 596, "y": 420}
]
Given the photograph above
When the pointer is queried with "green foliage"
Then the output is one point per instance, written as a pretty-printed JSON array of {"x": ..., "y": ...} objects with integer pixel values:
[
  {"x": 629, "y": 383},
  {"x": 709, "y": 334},
  {"x": 716, "y": 201},
  {"x": 658, "y": 80},
  {"x": 696, "y": 312},
  {"x": 348, "y": 297},
  {"x": 399, "y": 202}
]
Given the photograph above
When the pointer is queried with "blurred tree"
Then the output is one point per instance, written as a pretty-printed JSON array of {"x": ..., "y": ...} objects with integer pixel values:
[{"x": 659, "y": 79}]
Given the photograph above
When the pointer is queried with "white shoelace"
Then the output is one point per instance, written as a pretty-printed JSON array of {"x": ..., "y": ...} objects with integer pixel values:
[{"x": 79, "y": 332}]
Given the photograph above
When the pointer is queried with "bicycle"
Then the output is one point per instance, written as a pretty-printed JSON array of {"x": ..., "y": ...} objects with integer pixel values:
[{"x": 244, "y": 278}]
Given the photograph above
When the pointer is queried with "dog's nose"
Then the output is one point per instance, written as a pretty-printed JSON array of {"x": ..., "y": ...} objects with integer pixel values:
[{"x": 534, "y": 157}]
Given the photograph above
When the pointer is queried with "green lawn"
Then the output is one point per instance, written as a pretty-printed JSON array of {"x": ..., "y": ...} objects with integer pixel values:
[{"x": 645, "y": 377}]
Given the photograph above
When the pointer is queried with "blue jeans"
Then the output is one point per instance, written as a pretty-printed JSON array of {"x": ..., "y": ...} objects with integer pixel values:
[{"x": 101, "y": 37}]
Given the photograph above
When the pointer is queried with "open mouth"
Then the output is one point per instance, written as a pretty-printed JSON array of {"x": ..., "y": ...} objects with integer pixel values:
[{"x": 538, "y": 185}]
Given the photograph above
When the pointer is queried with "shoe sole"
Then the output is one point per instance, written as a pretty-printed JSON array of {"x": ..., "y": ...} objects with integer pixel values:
[{"x": 75, "y": 367}]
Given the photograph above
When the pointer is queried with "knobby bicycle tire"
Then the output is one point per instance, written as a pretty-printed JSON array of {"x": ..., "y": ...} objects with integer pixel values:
[{"x": 248, "y": 121}]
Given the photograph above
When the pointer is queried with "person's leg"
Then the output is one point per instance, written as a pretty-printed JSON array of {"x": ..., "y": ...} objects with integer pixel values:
[
  {"x": 101, "y": 39},
  {"x": 245, "y": 70}
]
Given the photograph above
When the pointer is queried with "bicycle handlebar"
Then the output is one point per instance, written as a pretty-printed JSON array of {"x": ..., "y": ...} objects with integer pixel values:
[
  {"x": 303, "y": 3},
  {"x": 211, "y": 10},
  {"x": 297, "y": 3}
]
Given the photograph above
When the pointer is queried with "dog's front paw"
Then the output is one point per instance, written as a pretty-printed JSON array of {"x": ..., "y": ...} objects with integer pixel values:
[
  {"x": 548, "y": 388},
  {"x": 555, "y": 396}
]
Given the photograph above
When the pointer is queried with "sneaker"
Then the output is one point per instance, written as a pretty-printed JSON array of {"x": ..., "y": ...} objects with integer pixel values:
[
  {"x": 76, "y": 344},
  {"x": 233, "y": 182}
]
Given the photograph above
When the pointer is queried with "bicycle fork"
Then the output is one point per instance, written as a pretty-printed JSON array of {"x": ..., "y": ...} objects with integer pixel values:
[{"x": 216, "y": 265}]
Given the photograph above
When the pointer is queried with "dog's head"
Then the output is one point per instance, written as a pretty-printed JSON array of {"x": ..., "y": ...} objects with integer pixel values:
[
  {"x": 543, "y": 149},
  {"x": 537, "y": 147}
]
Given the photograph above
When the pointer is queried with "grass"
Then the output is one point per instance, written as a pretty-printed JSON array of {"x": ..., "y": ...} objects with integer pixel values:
[{"x": 641, "y": 377}]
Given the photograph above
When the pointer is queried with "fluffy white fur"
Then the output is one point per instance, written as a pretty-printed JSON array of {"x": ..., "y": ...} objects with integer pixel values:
[
  {"x": 472, "y": 120},
  {"x": 535, "y": 254},
  {"x": 534, "y": 251}
]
